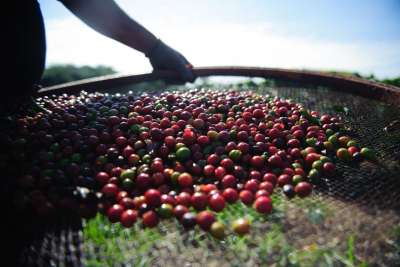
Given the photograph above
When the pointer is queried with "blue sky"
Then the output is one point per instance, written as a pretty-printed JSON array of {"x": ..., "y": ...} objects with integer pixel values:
[{"x": 315, "y": 34}]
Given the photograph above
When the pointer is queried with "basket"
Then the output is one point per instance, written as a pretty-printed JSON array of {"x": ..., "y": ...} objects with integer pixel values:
[{"x": 350, "y": 219}]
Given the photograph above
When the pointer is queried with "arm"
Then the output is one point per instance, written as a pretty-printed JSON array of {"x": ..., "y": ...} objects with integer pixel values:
[
  {"x": 109, "y": 19},
  {"x": 106, "y": 17}
]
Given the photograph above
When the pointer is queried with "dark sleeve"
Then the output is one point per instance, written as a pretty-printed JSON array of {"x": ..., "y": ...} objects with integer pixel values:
[{"x": 28, "y": 45}]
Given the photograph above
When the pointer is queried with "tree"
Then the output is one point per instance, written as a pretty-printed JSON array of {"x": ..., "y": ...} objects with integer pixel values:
[
  {"x": 63, "y": 73},
  {"x": 394, "y": 81}
]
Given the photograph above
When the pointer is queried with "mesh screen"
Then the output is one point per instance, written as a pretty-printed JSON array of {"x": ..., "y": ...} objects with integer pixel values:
[{"x": 350, "y": 219}]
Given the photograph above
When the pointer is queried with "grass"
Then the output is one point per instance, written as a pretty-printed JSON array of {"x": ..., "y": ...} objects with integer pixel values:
[
  {"x": 106, "y": 239},
  {"x": 267, "y": 244},
  {"x": 394, "y": 241}
]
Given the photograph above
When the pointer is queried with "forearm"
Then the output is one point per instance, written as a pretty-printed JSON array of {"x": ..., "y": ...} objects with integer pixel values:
[{"x": 106, "y": 17}]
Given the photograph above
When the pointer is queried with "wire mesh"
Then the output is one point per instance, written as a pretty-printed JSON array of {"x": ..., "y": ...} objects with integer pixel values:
[{"x": 349, "y": 219}]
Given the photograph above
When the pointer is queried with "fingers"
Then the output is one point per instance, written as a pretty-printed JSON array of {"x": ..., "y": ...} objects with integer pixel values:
[
  {"x": 184, "y": 68},
  {"x": 166, "y": 58},
  {"x": 186, "y": 72}
]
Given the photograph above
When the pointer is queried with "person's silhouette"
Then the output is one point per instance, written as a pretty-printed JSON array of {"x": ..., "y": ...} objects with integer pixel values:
[{"x": 29, "y": 46}]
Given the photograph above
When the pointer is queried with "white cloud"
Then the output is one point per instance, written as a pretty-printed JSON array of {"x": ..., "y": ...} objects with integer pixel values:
[{"x": 70, "y": 41}]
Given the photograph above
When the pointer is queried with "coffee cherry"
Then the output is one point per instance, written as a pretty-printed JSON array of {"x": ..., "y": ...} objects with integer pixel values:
[
  {"x": 235, "y": 154},
  {"x": 216, "y": 202},
  {"x": 185, "y": 179},
  {"x": 368, "y": 153},
  {"x": 179, "y": 210},
  {"x": 284, "y": 179},
  {"x": 246, "y": 197},
  {"x": 230, "y": 195},
  {"x": 184, "y": 199},
  {"x": 165, "y": 210},
  {"x": 183, "y": 154},
  {"x": 205, "y": 219},
  {"x": 150, "y": 219},
  {"x": 328, "y": 168},
  {"x": 114, "y": 213},
  {"x": 110, "y": 190},
  {"x": 343, "y": 154},
  {"x": 102, "y": 177},
  {"x": 263, "y": 204},
  {"x": 241, "y": 226},
  {"x": 128, "y": 218},
  {"x": 217, "y": 230},
  {"x": 267, "y": 186},
  {"x": 199, "y": 201},
  {"x": 257, "y": 161},
  {"x": 153, "y": 197},
  {"x": 303, "y": 189},
  {"x": 288, "y": 190},
  {"x": 188, "y": 220},
  {"x": 262, "y": 193}
]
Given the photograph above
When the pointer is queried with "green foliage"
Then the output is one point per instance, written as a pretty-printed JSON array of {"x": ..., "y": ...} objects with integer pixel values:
[
  {"x": 57, "y": 74},
  {"x": 395, "y": 241},
  {"x": 107, "y": 238},
  {"x": 350, "y": 250},
  {"x": 393, "y": 81}
]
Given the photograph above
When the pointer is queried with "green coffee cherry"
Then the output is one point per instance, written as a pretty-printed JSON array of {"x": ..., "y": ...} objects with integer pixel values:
[{"x": 367, "y": 153}]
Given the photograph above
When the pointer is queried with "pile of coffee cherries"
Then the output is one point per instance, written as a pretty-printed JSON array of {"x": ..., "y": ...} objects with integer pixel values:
[{"x": 176, "y": 154}]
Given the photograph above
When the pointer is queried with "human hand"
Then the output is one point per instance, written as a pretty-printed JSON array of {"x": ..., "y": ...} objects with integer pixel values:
[{"x": 163, "y": 57}]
